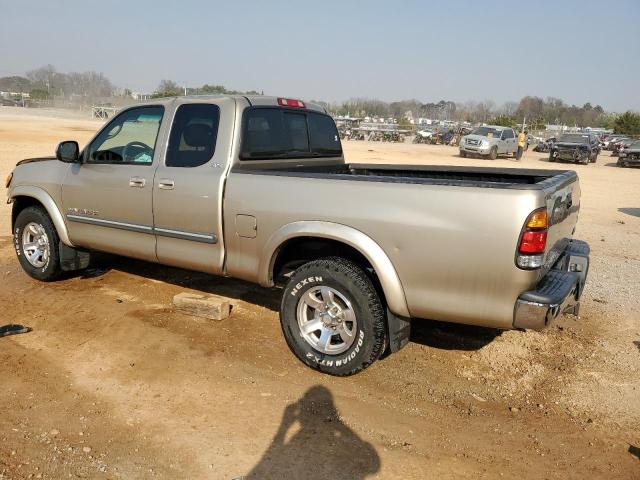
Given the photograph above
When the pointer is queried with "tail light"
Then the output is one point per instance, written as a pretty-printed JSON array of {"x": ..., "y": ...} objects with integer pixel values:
[
  {"x": 289, "y": 102},
  {"x": 533, "y": 240}
]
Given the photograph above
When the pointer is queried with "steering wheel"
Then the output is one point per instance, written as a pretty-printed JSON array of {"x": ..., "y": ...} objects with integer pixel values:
[{"x": 133, "y": 149}]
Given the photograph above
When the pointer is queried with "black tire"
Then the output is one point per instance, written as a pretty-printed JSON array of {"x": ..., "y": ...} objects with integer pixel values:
[
  {"x": 50, "y": 270},
  {"x": 493, "y": 154},
  {"x": 350, "y": 280},
  {"x": 463, "y": 154}
]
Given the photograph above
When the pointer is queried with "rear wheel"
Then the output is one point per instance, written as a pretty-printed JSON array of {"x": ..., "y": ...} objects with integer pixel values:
[
  {"x": 332, "y": 317},
  {"x": 37, "y": 244},
  {"x": 493, "y": 154}
]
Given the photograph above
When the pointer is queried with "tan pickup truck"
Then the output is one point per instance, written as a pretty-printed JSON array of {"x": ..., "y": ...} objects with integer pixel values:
[{"x": 257, "y": 188}]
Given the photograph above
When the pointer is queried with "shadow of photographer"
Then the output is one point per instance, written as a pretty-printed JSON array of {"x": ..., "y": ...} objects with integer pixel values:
[{"x": 312, "y": 442}]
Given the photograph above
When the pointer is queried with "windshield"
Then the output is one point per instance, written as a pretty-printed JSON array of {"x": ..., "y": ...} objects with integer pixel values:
[
  {"x": 485, "y": 131},
  {"x": 574, "y": 138}
]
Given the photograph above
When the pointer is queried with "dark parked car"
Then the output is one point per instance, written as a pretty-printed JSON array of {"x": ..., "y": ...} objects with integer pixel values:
[
  {"x": 629, "y": 155},
  {"x": 575, "y": 147}
]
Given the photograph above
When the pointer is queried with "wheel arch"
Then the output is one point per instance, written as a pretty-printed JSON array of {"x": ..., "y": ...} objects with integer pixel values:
[
  {"x": 27, "y": 196},
  {"x": 352, "y": 240}
]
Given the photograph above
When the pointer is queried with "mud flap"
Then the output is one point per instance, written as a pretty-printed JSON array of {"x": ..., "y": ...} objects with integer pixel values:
[
  {"x": 72, "y": 258},
  {"x": 399, "y": 331}
]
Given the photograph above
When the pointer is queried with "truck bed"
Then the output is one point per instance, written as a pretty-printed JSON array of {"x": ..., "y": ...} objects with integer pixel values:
[
  {"x": 450, "y": 232},
  {"x": 487, "y": 177}
]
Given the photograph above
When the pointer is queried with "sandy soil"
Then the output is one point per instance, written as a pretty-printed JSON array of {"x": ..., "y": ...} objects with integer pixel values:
[{"x": 112, "y": 383}]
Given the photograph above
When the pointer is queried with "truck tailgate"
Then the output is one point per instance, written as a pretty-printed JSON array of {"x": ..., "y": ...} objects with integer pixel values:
[{"x": 562, "y": 197}]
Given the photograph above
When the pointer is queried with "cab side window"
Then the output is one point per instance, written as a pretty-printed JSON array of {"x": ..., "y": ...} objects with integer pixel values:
[
  {"x": 129, "y": 139},
  {"x": 193, "y": 135},
  {"x": 507, "y": 134}
]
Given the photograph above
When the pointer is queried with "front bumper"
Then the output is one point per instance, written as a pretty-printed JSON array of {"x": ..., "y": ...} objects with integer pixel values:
[
  {"x": 558, "y": 292},
  {"x": 477, "y": 149},
  {"x": 573, "y": 155}
]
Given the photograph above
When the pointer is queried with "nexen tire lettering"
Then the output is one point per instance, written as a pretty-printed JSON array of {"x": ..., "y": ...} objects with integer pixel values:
[
  {"x": 16, "y": 243},
  {"x": 304, "y": 282}
]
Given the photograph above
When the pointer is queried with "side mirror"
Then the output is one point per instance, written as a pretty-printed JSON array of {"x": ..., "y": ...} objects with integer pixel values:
[{"x": 68, "y": 152}]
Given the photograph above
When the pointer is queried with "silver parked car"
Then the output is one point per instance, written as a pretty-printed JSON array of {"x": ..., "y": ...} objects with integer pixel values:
[{"x": 489, "y": 141}]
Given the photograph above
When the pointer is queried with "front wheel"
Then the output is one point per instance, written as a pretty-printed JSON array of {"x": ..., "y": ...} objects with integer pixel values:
[
  {"x": 463, "y": 154},
  {"x": 37, "y": 244},
  {"x": 493, "y": 154},
  {"x": 332, "y": 317}
]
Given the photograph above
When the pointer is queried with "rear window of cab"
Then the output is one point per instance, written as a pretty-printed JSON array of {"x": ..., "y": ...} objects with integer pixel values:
[{"x": 273, "y": 133}]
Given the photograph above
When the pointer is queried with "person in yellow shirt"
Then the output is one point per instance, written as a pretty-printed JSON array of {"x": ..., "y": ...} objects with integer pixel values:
[{"x": 522, "y": 142}]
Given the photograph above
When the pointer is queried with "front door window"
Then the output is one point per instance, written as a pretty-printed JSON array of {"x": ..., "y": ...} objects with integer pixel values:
[{"x": 129, "y": 139}]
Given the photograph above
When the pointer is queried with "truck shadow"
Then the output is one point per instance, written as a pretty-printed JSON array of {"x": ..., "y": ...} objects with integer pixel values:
[
  {"x": 203, "y": 282},
  {"x": 312, "y": 442},
  {"x": 442, "y": 335},
  {"x": 635, "y": 212},
  {"x": 451, "y": 336}
]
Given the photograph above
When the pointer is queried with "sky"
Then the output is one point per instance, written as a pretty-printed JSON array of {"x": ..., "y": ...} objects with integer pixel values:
[{"x": 580, "y": 51}]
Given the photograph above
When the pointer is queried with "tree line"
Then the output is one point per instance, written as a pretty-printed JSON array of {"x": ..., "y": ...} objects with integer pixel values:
[
  {"x": 170, "y": 88},
  {"x": 46, "y": 82},
  {"x": 535, "y": 111}
]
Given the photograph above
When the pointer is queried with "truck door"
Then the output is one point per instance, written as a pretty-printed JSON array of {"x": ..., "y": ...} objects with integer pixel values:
[
  {"x": 512, "y": 145},
  {"x": 107, "y": 198},
  {"x": 188, "y": 187},
  {"x": 502, "y": 143}
]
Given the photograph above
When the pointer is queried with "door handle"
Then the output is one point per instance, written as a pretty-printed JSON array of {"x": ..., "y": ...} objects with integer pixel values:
[
  {"x": 166, "y": 184},
  {"x": 138, "y": 182}
]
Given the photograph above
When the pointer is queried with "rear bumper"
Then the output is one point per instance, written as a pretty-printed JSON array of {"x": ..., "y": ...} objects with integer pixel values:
[{"x": 558, "y": 292}]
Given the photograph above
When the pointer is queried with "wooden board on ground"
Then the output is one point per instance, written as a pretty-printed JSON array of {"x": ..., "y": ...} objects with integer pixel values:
[{"x": 212, "y": 307}]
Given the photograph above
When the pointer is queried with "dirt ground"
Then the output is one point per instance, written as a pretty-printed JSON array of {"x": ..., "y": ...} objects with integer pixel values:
[{"x": 112, "y": 383}]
